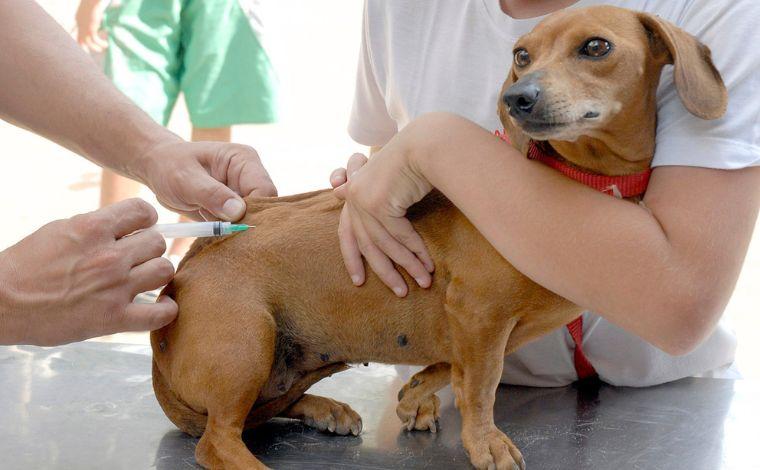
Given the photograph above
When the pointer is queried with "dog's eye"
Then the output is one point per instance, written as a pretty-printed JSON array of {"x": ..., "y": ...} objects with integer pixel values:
[
  {"x": 522, "y": 58},
  {"x": 596, "y": 48}
]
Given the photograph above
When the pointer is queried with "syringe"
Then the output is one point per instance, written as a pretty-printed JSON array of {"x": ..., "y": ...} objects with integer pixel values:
[{"x": 199, "y": 229}]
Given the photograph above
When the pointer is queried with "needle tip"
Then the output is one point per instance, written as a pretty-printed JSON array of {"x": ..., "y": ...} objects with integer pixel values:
[{"x": 240, "y": 227}]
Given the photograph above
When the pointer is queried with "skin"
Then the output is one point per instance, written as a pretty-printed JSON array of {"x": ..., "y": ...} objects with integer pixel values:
[
  {"x": 199, "y": 134},
  {"x": 115, "y": 188},
  {"x": 521, "y": 9},
  {"x": 266, "y": 313},
  {"x": 75, "y": 278},
  {"x": 89, "y": 18},
  {"x": 652, "y": 247}
]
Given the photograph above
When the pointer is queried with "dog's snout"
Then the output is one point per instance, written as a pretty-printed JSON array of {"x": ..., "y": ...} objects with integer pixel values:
[{"x": 521, "y": 98}]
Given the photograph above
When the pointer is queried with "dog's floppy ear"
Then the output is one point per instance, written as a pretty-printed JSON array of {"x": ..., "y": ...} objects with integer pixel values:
[
  {"x": 698, "y": 82},
  {"x": 517, "y": 137}
]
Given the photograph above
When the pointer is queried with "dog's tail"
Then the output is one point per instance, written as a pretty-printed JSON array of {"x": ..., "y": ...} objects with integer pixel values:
[{"x": 194, "y": 423}]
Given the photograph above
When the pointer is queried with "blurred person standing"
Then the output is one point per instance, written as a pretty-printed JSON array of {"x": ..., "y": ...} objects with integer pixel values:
[{"x": 210, "y": 50}]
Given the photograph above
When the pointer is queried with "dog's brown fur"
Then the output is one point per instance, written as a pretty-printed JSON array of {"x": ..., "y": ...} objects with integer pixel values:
[{"x": 265, "y": 314}]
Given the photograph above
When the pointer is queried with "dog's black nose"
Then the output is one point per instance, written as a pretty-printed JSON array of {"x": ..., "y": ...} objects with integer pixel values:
[{"x": 521, "y": 98}]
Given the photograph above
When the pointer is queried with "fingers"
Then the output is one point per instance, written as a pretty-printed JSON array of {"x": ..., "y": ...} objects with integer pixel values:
[
  {"x": 355, "y": 162},
  {"x": 151, "y": 275},
  {"x": 405, "y": 247},
  {"x": 81, "y": 37},
  {"x": 141, "y": 247},
  {"x": 215, "y": 197},
  {"x": 252, "y": 178},
  {"x": 338, "y": 177},
  {"x": 373, "y": 237},
  {"x": 100, "y": 41},
  {"x": 192, "y": 215},
  {"x": 341, "y": 192},
  {"x": 264, "y": 190},
  {"x": 92, "y": 40},
  {"x": 403, "y": 231},
  {"x": 148, "y": 317},
  {"x": 92, "y": 45},
  {"x": 226, "y": 172},
  {"x": 209, "y": 178},
  {"x": 205, "y": 215},
  {"x": 378, "y": 261},
  {"x": 382, "y": 242},
  {"x": 349, "y": 248},
  {"x": 127, "y": 216}
]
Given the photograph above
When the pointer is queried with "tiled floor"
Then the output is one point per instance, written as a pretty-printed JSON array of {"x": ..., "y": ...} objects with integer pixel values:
[{"x": 46, "y": 182}]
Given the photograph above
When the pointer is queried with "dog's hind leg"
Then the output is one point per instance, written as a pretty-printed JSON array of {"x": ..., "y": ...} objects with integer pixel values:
[
  {"x": 418, "y": 405},
  {"x": 234, "y": 377},
  {"x": 479, "y": 335},
  {"x": 185, "y": 418},
  {"x": 325, "y": 414}
]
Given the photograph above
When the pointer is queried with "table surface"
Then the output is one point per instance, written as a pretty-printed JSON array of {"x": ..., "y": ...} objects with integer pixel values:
[{"x": 91, "y": 405}]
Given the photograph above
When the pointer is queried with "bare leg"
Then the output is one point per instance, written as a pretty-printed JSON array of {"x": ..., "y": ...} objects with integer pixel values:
[
  {"x": 200, "y": 134},
  {"x": 418, "y": 406},
  {"x": 115, "y": 188},
  {"x": 211, "y": 134},
  {"x": 325, "y": 414}
]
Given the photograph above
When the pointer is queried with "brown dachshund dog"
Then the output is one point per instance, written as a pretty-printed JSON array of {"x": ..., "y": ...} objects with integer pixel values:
[{"x": 265, "y": 314}]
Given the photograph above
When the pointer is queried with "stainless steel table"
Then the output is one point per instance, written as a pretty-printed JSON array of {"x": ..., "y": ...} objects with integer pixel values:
[{"x": 91, "y": 405}]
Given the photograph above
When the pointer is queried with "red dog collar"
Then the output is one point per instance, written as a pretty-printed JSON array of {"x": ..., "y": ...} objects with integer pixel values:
[{"x": 619, "y": 186}]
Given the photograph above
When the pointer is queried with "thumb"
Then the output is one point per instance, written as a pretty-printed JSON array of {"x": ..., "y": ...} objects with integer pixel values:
[
  {"x": 216, "y": 198},
  {"x": 149, "y": 317},
  {"x": 341, "y": 192}
]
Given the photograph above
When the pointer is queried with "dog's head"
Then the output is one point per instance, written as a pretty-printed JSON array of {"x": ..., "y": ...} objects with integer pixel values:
[{"x": 593, "y": 73}]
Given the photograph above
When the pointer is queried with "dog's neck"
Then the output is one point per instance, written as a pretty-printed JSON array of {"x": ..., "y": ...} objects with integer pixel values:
[
  {"x": 627, "y": 144},
  {"x": 623, "y": 151}
]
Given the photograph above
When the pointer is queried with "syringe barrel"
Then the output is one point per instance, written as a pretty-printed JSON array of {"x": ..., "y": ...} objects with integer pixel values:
[{"x": 193, "y": 229}]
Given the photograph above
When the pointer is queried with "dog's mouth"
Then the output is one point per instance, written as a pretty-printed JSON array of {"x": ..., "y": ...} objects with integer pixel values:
[
  {"x": 532, "y": 126},
  {"x": 543, "y": 129}
]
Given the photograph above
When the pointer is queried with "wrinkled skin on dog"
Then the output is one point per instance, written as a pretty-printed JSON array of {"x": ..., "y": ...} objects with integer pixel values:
[{"x": 266, "y": 313}]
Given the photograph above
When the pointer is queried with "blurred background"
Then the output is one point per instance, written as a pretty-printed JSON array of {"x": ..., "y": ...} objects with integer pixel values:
[{"x": 313, "y": 45}]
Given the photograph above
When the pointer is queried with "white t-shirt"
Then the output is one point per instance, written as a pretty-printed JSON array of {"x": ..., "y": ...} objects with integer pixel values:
[{"x": 453, "y": 55}]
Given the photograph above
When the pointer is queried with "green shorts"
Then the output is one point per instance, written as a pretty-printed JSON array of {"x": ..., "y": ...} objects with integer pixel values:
[{"x": 205, "y": 49}]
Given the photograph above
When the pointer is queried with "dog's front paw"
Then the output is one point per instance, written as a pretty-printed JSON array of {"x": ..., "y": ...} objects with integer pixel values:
[
  {"x": 329, "y": 415},
  {"x": 492, "y": 450},
  {"x": 419, "y": 414}
]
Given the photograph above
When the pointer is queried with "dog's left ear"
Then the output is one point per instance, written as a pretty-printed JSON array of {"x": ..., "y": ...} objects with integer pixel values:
[{"x": 698, "y": 82}]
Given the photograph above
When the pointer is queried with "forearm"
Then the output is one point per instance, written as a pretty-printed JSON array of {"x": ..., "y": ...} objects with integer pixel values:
[
  {"x": 10, "y": 329},
  {"x": 638, "y": 267},
  {"x": 49, "y": 86}
]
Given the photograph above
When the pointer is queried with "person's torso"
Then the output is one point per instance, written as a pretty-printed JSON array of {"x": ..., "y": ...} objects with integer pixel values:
[{"x": 454, "y": 55}]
